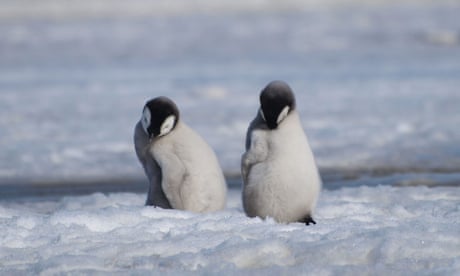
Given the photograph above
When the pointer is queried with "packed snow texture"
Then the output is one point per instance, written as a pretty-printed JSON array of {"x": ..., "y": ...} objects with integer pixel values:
[
  {"x": 376, "y": 231},
  {"x": 376, "y": 83}
]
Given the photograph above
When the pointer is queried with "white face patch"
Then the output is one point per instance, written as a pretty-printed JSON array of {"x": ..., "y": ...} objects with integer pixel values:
[
  {"x": 262, "y": 114},
  {"x": 167, "y": 125},
  {"x": 283, "y": 114},
  {"x": 145, "y": 120}
]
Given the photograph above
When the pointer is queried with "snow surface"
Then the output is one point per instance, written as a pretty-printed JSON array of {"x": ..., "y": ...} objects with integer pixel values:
[{"x": 359, "y": 231}]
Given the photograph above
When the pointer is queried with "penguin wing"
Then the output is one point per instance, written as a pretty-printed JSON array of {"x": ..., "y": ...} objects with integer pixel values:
[
  {"x": 173, "y": 176},
  {"x": 257, "y": 123},
  {"x": 256, "y": 153},
  {"x": 155, "y": 196},
  {"x": 141, "y": 141}
]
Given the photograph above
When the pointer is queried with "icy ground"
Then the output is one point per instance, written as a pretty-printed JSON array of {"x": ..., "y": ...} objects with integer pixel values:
[{"x": 360, "y": 231}]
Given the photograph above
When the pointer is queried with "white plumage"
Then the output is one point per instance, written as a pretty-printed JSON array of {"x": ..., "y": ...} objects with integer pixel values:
[
  {"x": 280, "y": 176},
  {"x": 183, "y": 170}
]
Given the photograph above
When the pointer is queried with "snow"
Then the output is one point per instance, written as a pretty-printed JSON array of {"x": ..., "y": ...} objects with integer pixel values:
[{"x": 364, "y": 230}]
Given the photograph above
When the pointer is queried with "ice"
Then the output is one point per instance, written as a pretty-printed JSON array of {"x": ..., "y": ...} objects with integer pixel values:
[{"x": 377, "y": 230}]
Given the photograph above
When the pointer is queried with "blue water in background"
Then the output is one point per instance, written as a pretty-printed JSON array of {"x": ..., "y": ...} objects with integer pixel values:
[{"x": 377, "y": 88}]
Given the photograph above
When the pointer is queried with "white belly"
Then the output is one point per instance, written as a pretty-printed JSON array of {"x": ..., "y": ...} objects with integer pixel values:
[{"x": 286, "y": 194}]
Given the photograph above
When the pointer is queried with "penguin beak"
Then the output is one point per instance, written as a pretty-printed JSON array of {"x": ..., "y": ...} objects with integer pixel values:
[
  {"x": 152, "y": 135},
  {"x": 274, "y": 119},
  {"x": 271, "y": 123}
]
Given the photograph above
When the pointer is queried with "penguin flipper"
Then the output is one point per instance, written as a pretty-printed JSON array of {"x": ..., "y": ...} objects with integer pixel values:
[
  {"x": 257, "y": 123},
  {"x": 155, "y": 195},
  {"x": 256, "y": 153},
  {"x": 141, "y": 142},
  {"x": 173, "y": 178}
]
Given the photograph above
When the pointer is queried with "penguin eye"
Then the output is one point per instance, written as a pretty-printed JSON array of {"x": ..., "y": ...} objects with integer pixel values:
[
  {"x": 167, "y": 125},
  {"x": 283, "y": 114},
  {"x": 145, "y": 120}
]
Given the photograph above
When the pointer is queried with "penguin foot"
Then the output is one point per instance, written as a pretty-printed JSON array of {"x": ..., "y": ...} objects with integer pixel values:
[{"x": 307, "y": 220}]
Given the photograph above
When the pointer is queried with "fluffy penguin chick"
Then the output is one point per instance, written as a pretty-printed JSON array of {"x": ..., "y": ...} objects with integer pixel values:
[
  {"x": 182, "y": 169},
  {"x": 280, "y": 177}
]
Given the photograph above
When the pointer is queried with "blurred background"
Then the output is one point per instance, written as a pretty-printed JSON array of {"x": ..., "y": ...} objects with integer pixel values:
[{"x": 377, "y": 85}]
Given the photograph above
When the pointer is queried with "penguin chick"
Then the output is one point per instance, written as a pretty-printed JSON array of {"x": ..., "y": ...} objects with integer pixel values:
[
  {"x": 280, "y": 177},
  {"x": 183, "y": 171}
]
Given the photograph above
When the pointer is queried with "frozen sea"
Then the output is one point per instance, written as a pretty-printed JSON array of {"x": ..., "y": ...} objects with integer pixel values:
[{"x": 377, "y": 86}]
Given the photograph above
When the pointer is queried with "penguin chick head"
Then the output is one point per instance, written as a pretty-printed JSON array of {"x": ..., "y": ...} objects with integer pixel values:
[
  {"x": 276, "y": 102},
  {"x": 159, "y": 117}
]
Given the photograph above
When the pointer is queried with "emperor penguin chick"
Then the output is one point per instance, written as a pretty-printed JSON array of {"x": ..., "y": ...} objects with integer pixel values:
[
  {"x": 182, "y": 169},
  {"x": 280, "y": 177}
]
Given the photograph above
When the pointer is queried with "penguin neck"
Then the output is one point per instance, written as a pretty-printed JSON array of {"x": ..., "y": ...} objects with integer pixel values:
[
  {"x": 289, "y": 138},
  {"x": 177, "y": 128},
  {"x": 290, "y": 121}
]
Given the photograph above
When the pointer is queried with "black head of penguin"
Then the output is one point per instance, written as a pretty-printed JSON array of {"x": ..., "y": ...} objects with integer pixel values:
[
  {"x": 276, "y": 102},
  {"x": 159, "y": 117}
]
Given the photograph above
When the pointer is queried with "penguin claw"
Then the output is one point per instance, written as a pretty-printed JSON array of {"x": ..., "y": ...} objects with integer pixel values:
[{"x": 307, "y": 220}]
